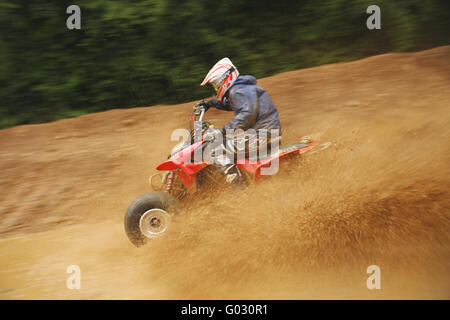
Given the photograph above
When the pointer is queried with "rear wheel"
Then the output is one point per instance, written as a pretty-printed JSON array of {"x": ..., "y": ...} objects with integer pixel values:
[{"x": 148, "y": 217}]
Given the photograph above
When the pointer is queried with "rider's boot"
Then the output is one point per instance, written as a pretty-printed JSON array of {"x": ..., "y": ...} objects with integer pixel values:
[{"x": 232, "y": 174}]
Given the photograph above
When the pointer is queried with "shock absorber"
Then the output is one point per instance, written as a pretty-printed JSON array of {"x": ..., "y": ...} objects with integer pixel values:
[{"x": 170, "y": 181}]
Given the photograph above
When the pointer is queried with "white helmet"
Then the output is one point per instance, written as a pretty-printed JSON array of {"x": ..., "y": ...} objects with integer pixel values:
[{"x": 221, "y": 77}]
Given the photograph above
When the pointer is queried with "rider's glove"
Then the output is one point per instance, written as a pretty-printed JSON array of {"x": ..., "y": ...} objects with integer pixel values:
[
  {"x": 205, "y": 104},
  {"x": 202, "y": 105}
]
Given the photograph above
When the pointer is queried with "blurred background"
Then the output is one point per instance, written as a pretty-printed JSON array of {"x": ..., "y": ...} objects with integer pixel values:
[{"x": 144, "y": 52}]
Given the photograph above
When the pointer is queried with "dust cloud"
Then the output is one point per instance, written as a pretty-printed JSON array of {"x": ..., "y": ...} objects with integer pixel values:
[{"x": 380, "y": 195}]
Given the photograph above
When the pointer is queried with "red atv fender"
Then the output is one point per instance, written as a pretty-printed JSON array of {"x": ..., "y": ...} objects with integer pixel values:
[
  {"x": 186, "y": 169},
  {"x": 254, "y": 168},
  {"x": 183, "y": 166}
]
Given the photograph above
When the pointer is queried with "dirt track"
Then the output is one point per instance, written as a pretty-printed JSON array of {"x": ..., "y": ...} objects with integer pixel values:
[{"x": 380, "y": 195}]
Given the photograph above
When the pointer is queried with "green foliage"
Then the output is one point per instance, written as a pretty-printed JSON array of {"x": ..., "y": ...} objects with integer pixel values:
[{"x": 144, "y": 52}]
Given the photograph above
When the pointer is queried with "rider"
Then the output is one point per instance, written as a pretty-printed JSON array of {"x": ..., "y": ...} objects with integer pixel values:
[{"x": 252, "y": 106}]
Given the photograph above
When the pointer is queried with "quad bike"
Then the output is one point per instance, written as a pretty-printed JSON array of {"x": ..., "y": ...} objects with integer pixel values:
[{"x": 149, "y": 216}]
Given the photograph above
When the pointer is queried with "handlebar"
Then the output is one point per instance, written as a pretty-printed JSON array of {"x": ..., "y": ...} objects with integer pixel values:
[
  {"x": 197, "y": 118},
  {"x": 199, "y": 111},
  {"x": 197, "y": 115},
  {"x": 202, "y": 113}
]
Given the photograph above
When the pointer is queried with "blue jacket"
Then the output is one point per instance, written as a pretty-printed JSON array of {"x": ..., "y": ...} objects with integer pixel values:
[{"x": 252, "y": 105}]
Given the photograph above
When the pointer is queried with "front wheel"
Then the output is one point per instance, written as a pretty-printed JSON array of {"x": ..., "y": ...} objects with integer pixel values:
[{"x": 148, "y": 217}]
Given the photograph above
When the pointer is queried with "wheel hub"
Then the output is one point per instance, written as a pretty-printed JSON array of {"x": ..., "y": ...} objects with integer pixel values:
[{"x": 154, "y": 223}]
